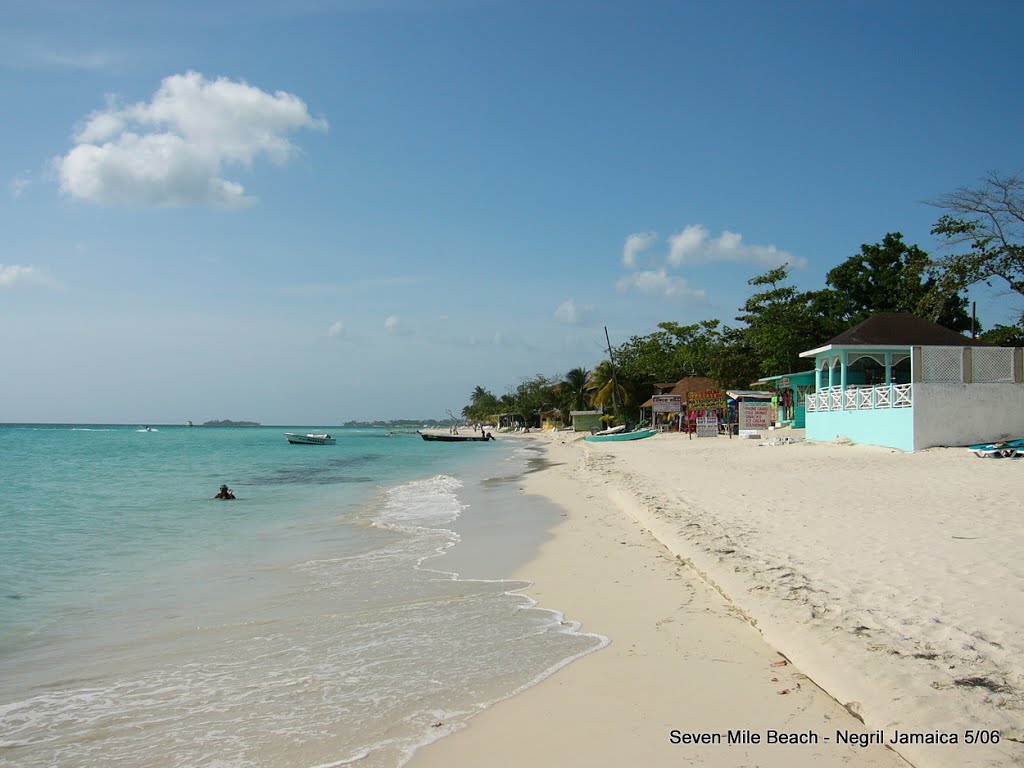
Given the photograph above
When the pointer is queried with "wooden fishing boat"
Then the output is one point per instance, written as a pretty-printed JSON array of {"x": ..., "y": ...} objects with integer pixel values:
[{"x": 450, "y": 438}]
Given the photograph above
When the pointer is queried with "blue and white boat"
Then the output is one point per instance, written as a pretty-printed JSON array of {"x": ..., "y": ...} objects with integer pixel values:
[
  {"x": 636, "y": 434},
  {"x": 322, "y": 439}
]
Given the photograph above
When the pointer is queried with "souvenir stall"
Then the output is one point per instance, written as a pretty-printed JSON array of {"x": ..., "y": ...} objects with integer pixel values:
[
  {"x": 750, "y": 410},
  {"x": 789, "y": 401},
  {"x": 706, "y": 412}
]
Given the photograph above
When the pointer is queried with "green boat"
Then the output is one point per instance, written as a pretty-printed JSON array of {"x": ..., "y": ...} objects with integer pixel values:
[{"x": 638, "y": 434}]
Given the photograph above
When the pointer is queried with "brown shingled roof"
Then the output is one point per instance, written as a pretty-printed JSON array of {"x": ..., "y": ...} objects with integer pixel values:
[
  {"x": 689, "y": 384},
  {"x": 903, "y": 329}
]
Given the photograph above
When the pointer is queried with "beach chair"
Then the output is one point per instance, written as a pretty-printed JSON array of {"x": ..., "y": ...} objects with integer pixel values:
[{"x": 1004, "y": 449}]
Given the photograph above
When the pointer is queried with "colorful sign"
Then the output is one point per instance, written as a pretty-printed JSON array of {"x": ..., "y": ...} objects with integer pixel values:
[
  {"x": 667, "y": 403},
  {"x": 755, "y": 417},
  {"x": 706, "y": 400}
]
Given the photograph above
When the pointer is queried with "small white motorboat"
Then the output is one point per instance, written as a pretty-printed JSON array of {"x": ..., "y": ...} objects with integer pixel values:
[{"x": 323, "y": 439}]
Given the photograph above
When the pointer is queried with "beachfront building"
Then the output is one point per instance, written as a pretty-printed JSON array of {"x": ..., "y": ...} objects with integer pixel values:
[
  {"x": 671, "y": 418},
  {"x": 584, "y": 421},
  {"x": 901, "y": 381},
  {"x": 551, "y": 419},
  {"x": 790, "y": 399}
]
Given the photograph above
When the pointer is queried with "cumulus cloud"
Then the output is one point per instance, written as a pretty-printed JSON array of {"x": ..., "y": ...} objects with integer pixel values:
[
  {"x": 636, "y": 244},
  {"x": 695, "y": 245},
  {"x": 336, "y": 330},
  {"x": 659, "y": 283},
  {"x": 571, "y": 313},
  {"x": 13, "y": 275},
  {"x": 173, "y": 149}
]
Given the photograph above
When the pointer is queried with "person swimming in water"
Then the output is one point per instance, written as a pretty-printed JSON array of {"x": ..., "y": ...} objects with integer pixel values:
[{"x": 225, "y": 493}]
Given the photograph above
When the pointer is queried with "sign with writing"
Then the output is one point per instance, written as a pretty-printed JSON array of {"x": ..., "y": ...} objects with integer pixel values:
[
  {"x": 755, "y": 416},
  {"x": 707, "y": 427},
  {"x": 706, "y": 400},
  {"x": 667, "y": 403}
]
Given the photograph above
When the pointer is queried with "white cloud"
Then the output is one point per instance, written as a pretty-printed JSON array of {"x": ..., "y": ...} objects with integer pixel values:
[
  {"x": 660, "y": 283},
  {"x": 12, "y": 275},
  {"x": 19, "y": 184},
  {"x": 634, "y": 245},
  {"x": 172, "y": 150},
  {"x": 393, "y": 324},
  {"x": 695, "y": 245},
  {"x": 336, "y": 330},
  {"x": 571, "y": 313}
]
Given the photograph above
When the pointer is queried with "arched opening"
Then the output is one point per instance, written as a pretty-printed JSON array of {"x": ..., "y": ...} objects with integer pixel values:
[
  {"x": 901, "y": 369},
  {"x": 866, "y": 370}
]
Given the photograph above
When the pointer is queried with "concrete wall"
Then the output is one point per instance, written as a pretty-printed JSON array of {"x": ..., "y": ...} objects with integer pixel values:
[
  {"x": 891, "y": 427},
  {"x": 966, "y": 414}
]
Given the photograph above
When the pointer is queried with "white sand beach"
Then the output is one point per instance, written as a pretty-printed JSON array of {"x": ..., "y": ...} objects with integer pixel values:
[{"x": 795, "y": 589}]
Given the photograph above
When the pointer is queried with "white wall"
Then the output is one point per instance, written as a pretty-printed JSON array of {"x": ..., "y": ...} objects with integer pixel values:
[{"x": 966, "y": 414}]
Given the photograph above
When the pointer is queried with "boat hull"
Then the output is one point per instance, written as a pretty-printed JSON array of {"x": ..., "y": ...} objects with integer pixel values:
[
  {"x": 454, "y": 438},
  {"x": 295, "y": 439},
  {"x": 639, "y": 434}
]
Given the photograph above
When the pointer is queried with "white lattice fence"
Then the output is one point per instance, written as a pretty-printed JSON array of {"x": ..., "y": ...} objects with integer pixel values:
[
  {"x": 990, "y": 365},
  {"x": 942, "y": 364}
]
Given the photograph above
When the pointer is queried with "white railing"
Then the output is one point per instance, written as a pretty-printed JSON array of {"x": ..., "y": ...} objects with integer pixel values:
[
  {"x": 864, "y": 397},
  {"x": 850, "y": 400},
  {"x": 835, "y": 399},
  {"x": 859, "y": 398},
  {"x": 904, "y": 395},
  {"x": 883, "y": 397}
]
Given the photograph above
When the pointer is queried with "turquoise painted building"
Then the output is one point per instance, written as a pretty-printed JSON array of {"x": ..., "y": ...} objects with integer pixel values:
[
  {"x": 901, "y": 381},
  {"x": 791, "y": 409}
]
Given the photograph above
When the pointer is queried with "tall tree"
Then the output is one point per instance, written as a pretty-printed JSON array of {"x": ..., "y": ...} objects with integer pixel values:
[
  {"x": 669, "y": 354},
  {"x": 985, "y": 224},
  {"x": 605, "y": 392},
  {"x": 734, "y": 363},
  {"x": 573, "y": 392},
  {"x": 782, "y": 321},
  {"x": 482, "y": 405},
  {"x": 892, "y": 276},
  {"x": 534, "y": 395}
]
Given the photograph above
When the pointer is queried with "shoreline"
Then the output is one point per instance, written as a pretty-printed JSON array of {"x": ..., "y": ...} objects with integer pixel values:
[{"x": 683, "y": 663}]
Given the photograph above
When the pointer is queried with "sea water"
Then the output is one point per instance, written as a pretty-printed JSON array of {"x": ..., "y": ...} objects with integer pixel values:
[{"x": 310, "y": 622}]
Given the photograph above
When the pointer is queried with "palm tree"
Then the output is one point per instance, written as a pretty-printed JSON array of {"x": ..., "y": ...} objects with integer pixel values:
[
  {"x": 482, "y": 405},
  {"x": 604, "y": 390},
  {"x": 574, "y": 392}
]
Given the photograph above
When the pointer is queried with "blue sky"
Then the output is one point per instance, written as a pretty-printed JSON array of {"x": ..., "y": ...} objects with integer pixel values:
[{"x": 315, "y": 211}]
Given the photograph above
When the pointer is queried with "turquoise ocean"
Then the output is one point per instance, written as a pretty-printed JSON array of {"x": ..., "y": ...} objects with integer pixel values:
[{"x": 315, "y": 621}]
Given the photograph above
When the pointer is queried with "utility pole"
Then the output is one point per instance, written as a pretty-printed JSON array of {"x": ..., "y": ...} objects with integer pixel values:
[{"x": 615, "y": 381}]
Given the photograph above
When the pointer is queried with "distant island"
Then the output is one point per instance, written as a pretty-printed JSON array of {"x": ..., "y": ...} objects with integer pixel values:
[
  {"x": 399, "y": 423},
  {"x": 230, "y": 423}
]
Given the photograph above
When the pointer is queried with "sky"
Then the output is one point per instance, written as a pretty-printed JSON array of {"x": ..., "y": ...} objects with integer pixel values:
[{"x": 313, "y": 211}]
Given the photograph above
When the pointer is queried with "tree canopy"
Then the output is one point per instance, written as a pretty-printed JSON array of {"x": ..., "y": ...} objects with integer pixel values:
[
  {"x": 892, "y": 276},
  {"x": 984, "y": 225}
]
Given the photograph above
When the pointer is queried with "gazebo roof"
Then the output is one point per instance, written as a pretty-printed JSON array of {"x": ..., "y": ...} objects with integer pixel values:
[{"x": 897, "y": 329}]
